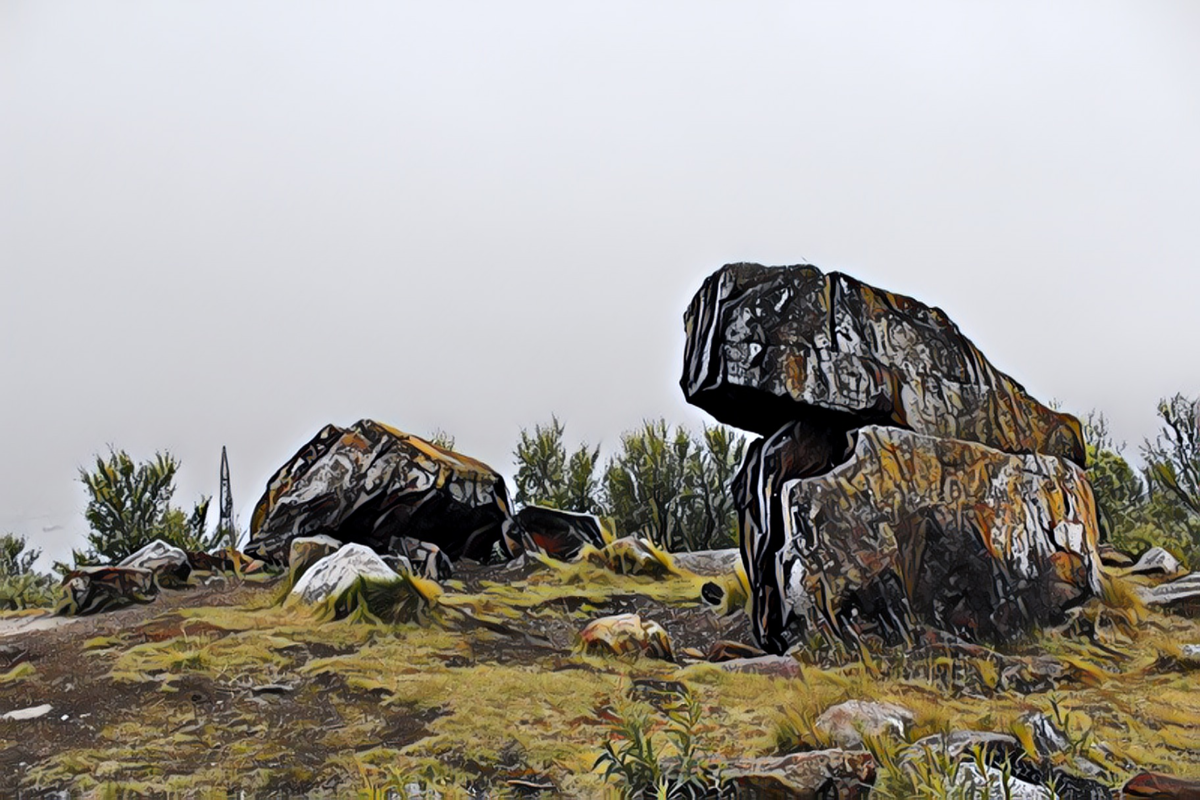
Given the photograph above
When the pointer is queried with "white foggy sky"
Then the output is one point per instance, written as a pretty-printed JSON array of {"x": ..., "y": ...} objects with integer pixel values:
[{"x": 231, "y": 223}]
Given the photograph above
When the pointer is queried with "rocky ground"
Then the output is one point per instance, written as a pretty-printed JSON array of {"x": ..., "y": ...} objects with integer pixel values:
[{"x": 219, "y": 688}]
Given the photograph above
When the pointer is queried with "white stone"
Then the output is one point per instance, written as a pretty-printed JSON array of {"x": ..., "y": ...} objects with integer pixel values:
[
  {"x": 968, "y": 782},
  {"x": 847, "y": 723},
  {"x": 33, "y": 712},
  {"x": 1157, "y": 560},
  {"x": 158, "y": 557},
  {"x": 336, "y": 572}
]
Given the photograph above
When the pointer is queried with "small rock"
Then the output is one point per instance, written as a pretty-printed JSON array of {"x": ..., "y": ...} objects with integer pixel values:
[
  {"x": 631, "y": 555},
  {"x": 168, "y": 563},
  {"x": 337, "y": 572},
  {"x": 272, "y": 688},
  {"x": 88, "y": 590},
  {"x": 969, "y": 782},
  {"x": 709, "y": 563},
  {"x": 802, "y": 776},
  {"x": 1048, "y": 740},
  {"x": 1112, "y": 557},
  {"x": 624, "y": 634},
  {"x": 846, "y": 723},
  {"x": 775, "y": 666},
  {"x": 729, "y": 651},
  {"x": 1157, "y": 561},
  {"x": 305, "y": 551},
  {"x": 33, "y": 712},
  {"x": 1181, "y": 595},
  {"x": 1156, "y": 786}
]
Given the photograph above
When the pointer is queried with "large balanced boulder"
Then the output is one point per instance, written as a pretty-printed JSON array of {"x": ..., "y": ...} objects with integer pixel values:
[
  {"x": 370, "y": 484},
  {"x": 913, "y": 528},
  {"x": 770, "y": 345}
]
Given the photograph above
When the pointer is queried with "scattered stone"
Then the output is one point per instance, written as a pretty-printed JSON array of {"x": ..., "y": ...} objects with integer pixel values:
[
  {"x": 370, "y": 483},
  {"x": 627, "y": 634},
  {"x": 88, "y": 590},
  {"x": 305, "y": 551},
  {"x": 168, "y": 563},
  {"x": 227, "y": 559},
  {"x": 1112, "y": 557},
  {"x": 426, "y": 559},
  {"x": 769, "y": 345},
  {"x": 1156, "y": 786},
  {"x": 559, "y": 534},
  {"x": 632, "y": 555},
  {"x": 1181, "y": 595},
  {"x": 724, "y": 650},
  {"x": 272, "y": 688},
  {"x": 1157, "y": 561},
  {"x": 33, "y": 712},
  {"x": 846, "y": 775},
  {"x": 774, "y": 666},
  {"x": 846, "y": 723},
  {"x": 912, "y": 528},
  {"x": 709, "y": 563},
  {"x": 337, "y": 572},
  {"x": 968, "y": 781}
]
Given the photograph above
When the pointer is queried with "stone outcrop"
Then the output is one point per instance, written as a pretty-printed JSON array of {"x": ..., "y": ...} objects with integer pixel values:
[
  {"x": 88, "y": 590},
  {"x": 902, "y": 479},
  {"x": 769, "y": 345},
  {"x": 370, "y": 484},
  {"x": 911, "y": 529},
  {"x": 559, "y": 534},
  {"x": 801, "y": 776}
]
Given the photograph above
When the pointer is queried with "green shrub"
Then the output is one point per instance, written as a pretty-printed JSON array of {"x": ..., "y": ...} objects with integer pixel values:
[
  {"x": 129, "y": 506},
  {"x": 20, "y": 586}
]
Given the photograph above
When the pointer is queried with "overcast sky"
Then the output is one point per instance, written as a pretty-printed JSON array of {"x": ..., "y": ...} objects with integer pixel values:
[{"x": 231, "y": 223}]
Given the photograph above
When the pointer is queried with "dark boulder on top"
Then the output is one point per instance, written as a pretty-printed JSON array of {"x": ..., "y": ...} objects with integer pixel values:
[
  {"x": 370, "y": 483},
  {"x": 559, "y": 534},
  {"x": 770, "y": 345}
]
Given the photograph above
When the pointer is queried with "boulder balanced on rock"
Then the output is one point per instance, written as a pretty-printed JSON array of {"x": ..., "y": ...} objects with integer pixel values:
[
  {"x": 770, "y": 345},
  {"x": 911, "y": 529},
  {"x": 903, "y": 478},
  {"x": 370, "y": 483}
]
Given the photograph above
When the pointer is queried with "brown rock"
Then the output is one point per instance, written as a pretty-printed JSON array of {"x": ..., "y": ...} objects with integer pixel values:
[
  {"x": 770, "y": 345},
  {"x": 91, "y": 589},
  {"x": 370, "y": 483},
  {"x": 631, "y": 555},
  {"x": 627, "y": 634},
  {"x": 1155, "y": 786},
  {"x": 305, "y": 551},
  {"x": 960, "y": 536},
  {"x": 847, "y": 775}
]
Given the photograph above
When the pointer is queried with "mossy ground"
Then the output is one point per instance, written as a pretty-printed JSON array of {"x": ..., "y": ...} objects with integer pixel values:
[{"x": 167, "y": 699}]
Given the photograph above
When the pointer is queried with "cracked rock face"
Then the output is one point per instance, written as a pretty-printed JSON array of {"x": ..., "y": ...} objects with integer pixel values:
[
  {"x": 369, "y": 483},
  {"x": 915, "y": 528},
  {"x": 902, "y": 479},
  {"x": 770, "y": 345}
]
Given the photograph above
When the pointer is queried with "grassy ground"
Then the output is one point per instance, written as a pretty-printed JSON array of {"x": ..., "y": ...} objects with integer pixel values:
[{"x": 492, "y": 690}]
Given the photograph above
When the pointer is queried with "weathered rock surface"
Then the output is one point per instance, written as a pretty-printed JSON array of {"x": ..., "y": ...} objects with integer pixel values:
[
  {"x": 370, "y": 483},
  {"x": 801, "y": 776},
  {"x": 709, "y": 563},
  {"x": 774, "y": 666},
  {"x": 846, "y": 723},
  {"x": 559, "y": 534},
  {"x": 963, "y": 537},
  {"x": 1181, "y": 595},
  {"x": 424, "y": 558},
  {"x": 305, "y": 551},
  {"x": 88, "y": 590},
  {"x": 32, "y": 712},
  {"x": 168, "y": 563},
  {"x": 631, "y": 555},
  {"x": 770, "y": 345},
  {"x": 1156, "y": 786},
  {"x": 1157, "y": 561},
  {"x": 627, "y": 634},
  {"x": 337, "y": 572}
]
